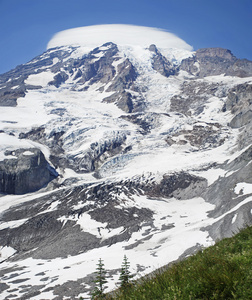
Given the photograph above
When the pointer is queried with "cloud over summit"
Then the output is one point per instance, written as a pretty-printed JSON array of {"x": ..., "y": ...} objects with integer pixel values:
[{"x": 96, "y": 35}]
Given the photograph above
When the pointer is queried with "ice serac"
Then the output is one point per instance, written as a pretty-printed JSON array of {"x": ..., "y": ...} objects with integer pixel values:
[{"x": 122, "y": 141}]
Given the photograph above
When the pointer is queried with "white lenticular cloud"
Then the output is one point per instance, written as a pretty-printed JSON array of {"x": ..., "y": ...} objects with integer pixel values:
[{"x": 96, "y": 35}]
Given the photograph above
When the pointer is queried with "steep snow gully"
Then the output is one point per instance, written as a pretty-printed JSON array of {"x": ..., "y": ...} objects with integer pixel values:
[{"x": 119, "y": 140}]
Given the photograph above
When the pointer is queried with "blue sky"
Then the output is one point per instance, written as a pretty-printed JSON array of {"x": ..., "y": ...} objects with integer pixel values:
[{"x": 26, "y": 26}]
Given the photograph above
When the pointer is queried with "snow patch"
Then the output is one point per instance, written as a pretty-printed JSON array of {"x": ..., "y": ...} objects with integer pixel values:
[
  {"x": 10, "y": 142},
  {"x": 6, "y": 252},
  {"x": 28, "y": 153},
  {"x": 243, "y": 188},
  {"x": 40, "y": 79},
  {"x": 12, "y": 224},
  {"x": 234, "y": 218}
]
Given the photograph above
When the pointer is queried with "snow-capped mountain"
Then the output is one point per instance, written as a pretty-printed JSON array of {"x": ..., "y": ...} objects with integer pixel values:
[{"x": 119, "y": 140}]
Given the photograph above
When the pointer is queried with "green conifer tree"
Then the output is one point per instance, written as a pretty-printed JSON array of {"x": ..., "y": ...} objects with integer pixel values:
[
  {"x": 100, "y": 281},
  {"x": 125, "y": 275}
]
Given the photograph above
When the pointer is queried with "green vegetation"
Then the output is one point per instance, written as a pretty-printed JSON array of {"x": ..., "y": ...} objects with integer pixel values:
[
  {"x": 125, "y": 276},
  {"x": 223, "y": 271},
  {"x": 100, "y": 281}
]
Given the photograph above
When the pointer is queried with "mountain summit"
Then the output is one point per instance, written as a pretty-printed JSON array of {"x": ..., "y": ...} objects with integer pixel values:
[{"x": 116, "y": 144}]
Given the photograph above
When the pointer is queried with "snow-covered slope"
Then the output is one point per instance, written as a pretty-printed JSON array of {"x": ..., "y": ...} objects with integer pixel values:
[{"x": 146, "y": 151}]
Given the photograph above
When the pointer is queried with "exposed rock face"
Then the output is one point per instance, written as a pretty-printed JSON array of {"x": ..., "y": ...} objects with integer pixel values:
[
  {"x": 239, "y": 98},
  {"x": 239, "y": 102},
  {"x": 8, "y": 97},
  {"x": 96, "y": 66},
  {"x": 122, "y": 99},
  {"x": 216, "y": 61},
  {"x": 12, "y": 83},
  {"x": 144, "y": 121},
  {"x": 202, "y": 137},
  {"x": 179, "y": 185},
  {"x": 26, "y": 172},
  {"x": 226, "y": 197},
  {"x": 160, "y": 63},
  {"x": 126, "y": 75},
  {"x": 194, "y": 95},
  {"x": 59, "y": 79}
]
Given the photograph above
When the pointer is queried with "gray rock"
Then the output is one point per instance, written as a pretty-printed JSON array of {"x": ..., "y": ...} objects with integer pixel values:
[
  {"x": 3, "y": 287},
  {"x": 194, "y": 95},
  {"x": 241, "y": 119},
  {"x": 59, "y": 79},
  {"x": 160, "y": 63},
  {"x": 27, "y": 172},
  {"x": 94, "y": 70},
  {"x": 12, "y": 83},
  {"x": 202, "y": 137},
  {"x": 126, "y": 75},
  {"x": 216, "y": 61},
  {"x": 179, "y": 185},
  {"x": 8, "y": 96},
  {"x": 239, "y": 98},
  {"x": 122, "y": 99},
  {"x": 239, "y": 102}
]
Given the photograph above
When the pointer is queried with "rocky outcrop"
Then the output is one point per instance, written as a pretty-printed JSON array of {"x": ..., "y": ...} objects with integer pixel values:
[
  {"x": 239, "y": 98},
  {"x": 12, "y": 83},
  {"x": 124, "y": 79},
  {"x": 194, "y": 95},
  {"x": 26, "y": 172},
  {"x": 59, "y": 79},
  {"x": 126, "y": 75},
  {"x": 216, "y": 61},
  {"x": 160, "y": 63},
  {"x": 179, "y": 185},
  {"x": 47, "y": 233},
  {"x": 122, "y": 99},
  {"x": 8, "y": 96},
  {"x": 94, "y": 67},
  {"x": 230, "y": 202},
  {"x": 202, "y": 137},
  {"x": 142, "y": 120},
  {"x": 239, "y": 102}
]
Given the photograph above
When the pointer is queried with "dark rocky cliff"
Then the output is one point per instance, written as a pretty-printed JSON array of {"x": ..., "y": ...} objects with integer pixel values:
[{"x": 26, "y": 172}]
